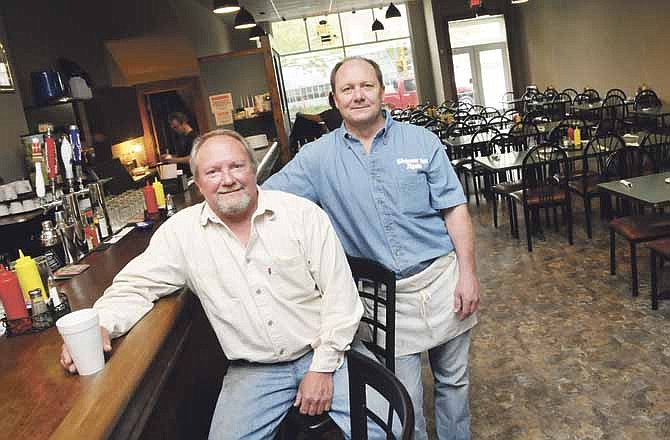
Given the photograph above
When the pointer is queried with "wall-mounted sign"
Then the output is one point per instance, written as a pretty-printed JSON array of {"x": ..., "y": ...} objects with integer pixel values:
[
  {"x": 6, "y": 80},
  {"x": 222, "y": 108}
]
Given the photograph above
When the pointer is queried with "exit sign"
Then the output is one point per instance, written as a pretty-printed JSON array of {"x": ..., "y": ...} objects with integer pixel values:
[{"x": 475, "y": 3}]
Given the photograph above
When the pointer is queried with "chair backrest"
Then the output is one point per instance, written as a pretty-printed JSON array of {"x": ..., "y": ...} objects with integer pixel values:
[
  {"x": 593, "y": 94},
  {"x": 646, "y": 99},
  {"x": 489, "y": 112},
  {"x": 614, "y": 107},
  {"x": 363, "y": 373},
  {"x": 396, "y": 113},
  {"x": 536, "y": 116},
  {"x": 572, "y": 93},
  {"x": 525, "y": 134},
  {"x": 501, "y": 143},
  {"x": 480, "y": 139},
  {"x": 419, "y": 118},
  {"x": 511, "y": 113},
  {"x": 475, "y": 120},
  {"x": 464, "y": 105},
  {"x": 597, "y": 152},
  {"x": 461, "y": 115},
  {"x": 550, "y": 93},
  {"x": 582, "y": 98},
  {"x": 545, "y": 171},
  {"x": 657, "y": 144},
  {"x": 616, "y": 92},
  {"x": 500, "y": 122},
  {"x": 628, "y": 162},
  {"x": 376, "y": 287}
]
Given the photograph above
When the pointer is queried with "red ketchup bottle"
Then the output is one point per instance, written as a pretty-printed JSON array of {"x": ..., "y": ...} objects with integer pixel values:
[
  {"x": 150, "y": 199},
  {"x": 11, "y": 296}
]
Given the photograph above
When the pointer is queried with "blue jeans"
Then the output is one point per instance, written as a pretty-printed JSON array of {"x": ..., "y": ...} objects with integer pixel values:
[
  {"x": 255, "y": 398},
  {"x": 449, "y": 363}
]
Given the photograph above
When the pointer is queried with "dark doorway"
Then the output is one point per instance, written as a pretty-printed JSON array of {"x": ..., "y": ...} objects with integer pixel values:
[{"x": 159, "y": 106}]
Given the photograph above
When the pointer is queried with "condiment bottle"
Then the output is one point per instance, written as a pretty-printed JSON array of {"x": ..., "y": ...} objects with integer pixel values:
[
  {"x": 101, "y": 223},
  {"x": 170, "y": 206},
  {"x": 11, "y": 296},
  {"x": 150, "y": 199},
  {"x": 41, "y": 317},
  {"x": 160, "y": 193},
  {"x": 29, "y": 276},
  {"x": 53, "y": 292},
  {"x": 571, "y": 134},
  {"x": 578, "y": 137}
]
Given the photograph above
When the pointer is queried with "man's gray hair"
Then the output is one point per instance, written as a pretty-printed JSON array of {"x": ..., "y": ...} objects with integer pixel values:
[
  {"x": 197, "y": 144},
  {"x": 374, "y": 65}
]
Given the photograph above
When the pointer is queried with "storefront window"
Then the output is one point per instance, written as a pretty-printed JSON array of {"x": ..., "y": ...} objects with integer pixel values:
[{"x": 309, "y": 48}]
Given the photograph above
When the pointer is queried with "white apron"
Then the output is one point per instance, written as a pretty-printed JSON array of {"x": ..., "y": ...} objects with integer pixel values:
[{"x": 425, "y": 315}]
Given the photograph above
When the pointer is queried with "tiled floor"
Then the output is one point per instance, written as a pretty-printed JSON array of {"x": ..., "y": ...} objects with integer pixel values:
[{"x": 562, "y": 350}]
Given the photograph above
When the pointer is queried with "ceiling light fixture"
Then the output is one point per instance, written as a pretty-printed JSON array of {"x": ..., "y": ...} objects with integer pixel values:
[
  {"x": 225, "y": 6},
  {"x": 392, "y": 11},
  {"x": 244, "y": 20},
  {"x": 377, "y": 25},
  {"x": 256, "y": 33}
]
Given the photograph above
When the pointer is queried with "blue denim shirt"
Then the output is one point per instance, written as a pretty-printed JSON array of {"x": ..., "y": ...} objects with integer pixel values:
[{"x": 385, "y": 205}]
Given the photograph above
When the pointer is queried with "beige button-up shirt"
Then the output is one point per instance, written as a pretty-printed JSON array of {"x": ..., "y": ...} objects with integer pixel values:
[{"x": 289, "y": 291}]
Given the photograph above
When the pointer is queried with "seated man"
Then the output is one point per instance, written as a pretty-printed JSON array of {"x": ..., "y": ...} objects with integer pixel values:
[{"x": 273, "y": 280}]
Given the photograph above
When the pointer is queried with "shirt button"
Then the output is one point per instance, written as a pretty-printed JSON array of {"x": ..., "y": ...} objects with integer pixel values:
[
  {"x": 397, "y": 253},
  {"x": 248, "y": 260},
  {"x": 270, "y": 323},
  {"x": 258, "y": 291}
]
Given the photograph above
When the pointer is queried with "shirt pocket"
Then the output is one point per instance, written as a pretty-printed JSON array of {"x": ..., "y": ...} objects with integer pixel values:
[
  {"x": 414, "y": 196},
  {"x": 291, "y": 279}
]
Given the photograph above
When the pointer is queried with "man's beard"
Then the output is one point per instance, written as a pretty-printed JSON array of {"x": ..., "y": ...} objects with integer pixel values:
[{"x": 233, "y": 207}]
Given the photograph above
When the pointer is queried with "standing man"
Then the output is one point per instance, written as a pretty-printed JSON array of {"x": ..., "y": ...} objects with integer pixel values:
[
  {"x": 394, "y": 197},
  {"x": 186, "y": 135},
  {"x": 274, "y": 283}
]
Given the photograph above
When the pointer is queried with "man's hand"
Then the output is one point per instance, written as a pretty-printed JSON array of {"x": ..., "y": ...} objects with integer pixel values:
[
  {"x": 315, "y": 393},
  {"x": 466, "y": 295},
  {"x": 66, "y": 360},
  {"x": 167, "y": 158}
]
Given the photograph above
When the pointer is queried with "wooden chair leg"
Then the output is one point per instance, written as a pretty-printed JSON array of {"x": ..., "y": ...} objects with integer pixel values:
[
  {"x": 633, "y": 267},
  {"x": 587, "y": 213},
  {"x": 495, "y": 210},
  {"x": 528, "y": 221},
  {"x": 475, "y": 186},
  {"x": 612, "y": 253},
  {"x": 555, "y": 219},
  {"x": 568, "y": 209},
  {"x": 654, "y": 281}
]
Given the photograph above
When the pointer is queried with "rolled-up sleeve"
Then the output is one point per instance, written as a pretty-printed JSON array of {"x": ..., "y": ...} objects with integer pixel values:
[
  {"x": 157, "y": 272},
  {"x": 445, "y": 187},
  {"x": 341, "y": 308}
]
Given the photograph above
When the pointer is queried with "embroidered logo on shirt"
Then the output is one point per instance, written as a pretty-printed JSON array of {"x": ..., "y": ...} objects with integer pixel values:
[{"x": 412, "y": 164}]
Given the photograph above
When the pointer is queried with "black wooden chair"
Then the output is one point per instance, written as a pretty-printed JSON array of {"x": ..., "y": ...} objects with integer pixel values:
[
  {"x": 657, "y": 144},
  {"x": 625, "y": 163},
  {"x": 593, "y": 172},
  {"x": 545, "y": 173},
  {"x": 470, "y": 167},
  {"x": 376, "y": 287},
  {"x": 506, "y": 183},
  {"x": 364, "y": 373},
  {"x": 616, "y": 92}
]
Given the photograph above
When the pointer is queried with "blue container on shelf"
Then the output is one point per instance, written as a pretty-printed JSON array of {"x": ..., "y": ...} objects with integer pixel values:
[{"x": 47, "y": 86}]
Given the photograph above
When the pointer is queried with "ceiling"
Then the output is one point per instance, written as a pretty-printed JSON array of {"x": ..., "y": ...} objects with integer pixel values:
[{"x": 262, "y": 10}]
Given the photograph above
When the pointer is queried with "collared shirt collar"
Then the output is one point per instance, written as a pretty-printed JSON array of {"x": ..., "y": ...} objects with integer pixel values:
[
  {"x": 388, "y": 120},
  {"x": 264, "y": 206}
]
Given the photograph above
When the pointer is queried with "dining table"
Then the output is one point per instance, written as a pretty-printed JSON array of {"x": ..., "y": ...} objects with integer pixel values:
[
  {"x": 651, "y": 190},
  {"x": 657, "y": 113}
]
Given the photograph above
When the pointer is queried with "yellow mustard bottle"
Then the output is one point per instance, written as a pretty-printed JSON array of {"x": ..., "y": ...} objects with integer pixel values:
[
  {"x": 160, "y": 193},
  {"x": 29, "y": 276},
  {"x": 578, "y": 138}
]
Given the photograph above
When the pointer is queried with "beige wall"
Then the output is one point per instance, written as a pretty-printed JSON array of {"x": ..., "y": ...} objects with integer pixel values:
[
  {"x": 12, "y": 125},
  {"x": 600, "y": 43}
]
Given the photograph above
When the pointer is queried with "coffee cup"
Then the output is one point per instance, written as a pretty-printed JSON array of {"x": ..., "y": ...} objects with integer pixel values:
[{"x": 81, "y": 333}]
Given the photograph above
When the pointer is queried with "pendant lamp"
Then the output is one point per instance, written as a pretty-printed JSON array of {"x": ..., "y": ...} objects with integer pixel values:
[
  {"x": 392, "y": 11},
  {"x": 377, "y": 25},
  {"x": 256, "y": 33},
  {"x": 225, "y": 6},
  {"x": 244, "y": 20}
]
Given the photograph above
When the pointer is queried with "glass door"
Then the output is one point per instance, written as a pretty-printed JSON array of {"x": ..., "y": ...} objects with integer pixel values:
[
  {"x": 480, "y": 60},
  {"x": 463, "y": 75}
]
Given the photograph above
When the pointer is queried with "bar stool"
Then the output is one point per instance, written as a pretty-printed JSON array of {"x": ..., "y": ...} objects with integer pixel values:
[{"x": 376, "y": 287}]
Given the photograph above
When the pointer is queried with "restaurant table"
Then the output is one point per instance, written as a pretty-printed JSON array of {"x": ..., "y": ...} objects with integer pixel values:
[
  {"x": 658, "y": 113},
  {"x": 650, "y": 189},
  {"x": 161, "y": 380},
  {"x": 514, "y": 160}
]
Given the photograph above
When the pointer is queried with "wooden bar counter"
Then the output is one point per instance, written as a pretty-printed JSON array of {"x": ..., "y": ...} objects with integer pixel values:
[{"x": 161, "y": 380}]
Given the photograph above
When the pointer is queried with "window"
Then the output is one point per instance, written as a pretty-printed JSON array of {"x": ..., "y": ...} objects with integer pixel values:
[{"x": 309, "y": 48}]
